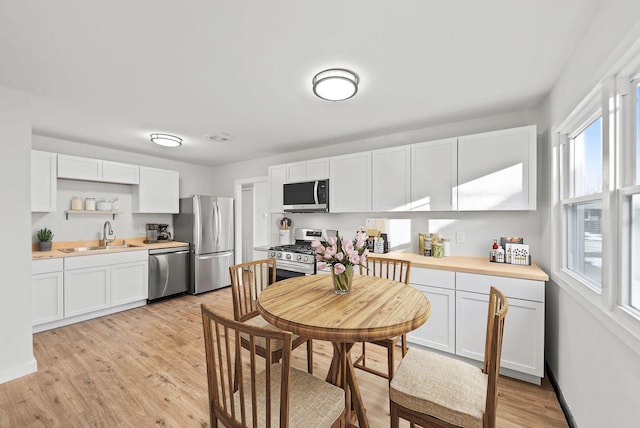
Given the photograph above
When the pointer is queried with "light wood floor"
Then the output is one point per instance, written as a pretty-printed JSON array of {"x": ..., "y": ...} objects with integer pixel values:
[{"x": 146, "y": 367}]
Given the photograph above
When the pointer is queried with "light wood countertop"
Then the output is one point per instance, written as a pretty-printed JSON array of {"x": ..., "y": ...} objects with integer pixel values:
[
  {"x": 480, "y": 265},
  {"x": 56, "y": 253}
]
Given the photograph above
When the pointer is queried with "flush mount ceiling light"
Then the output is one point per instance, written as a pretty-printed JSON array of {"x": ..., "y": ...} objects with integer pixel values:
[
  {"x": 335, "y": 84},
  {"x": 166, "y": 140}
]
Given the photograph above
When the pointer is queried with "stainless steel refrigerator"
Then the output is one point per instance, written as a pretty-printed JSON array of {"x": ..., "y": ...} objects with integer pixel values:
[{"x": 206, "y": 223}]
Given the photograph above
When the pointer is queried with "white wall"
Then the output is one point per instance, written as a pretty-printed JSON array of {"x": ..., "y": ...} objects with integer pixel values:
[
  {"x": 592, "y": 358},
  {"x": 480, "y": 228},
  {"x": 16, "y": 346},
  {"x": 194, "y": 179}
]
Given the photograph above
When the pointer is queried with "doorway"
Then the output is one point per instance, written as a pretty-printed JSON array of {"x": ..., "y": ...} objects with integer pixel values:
[{"x": 252, "y": 218}]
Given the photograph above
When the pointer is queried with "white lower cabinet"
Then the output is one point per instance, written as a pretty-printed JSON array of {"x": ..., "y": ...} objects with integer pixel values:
[
  {"x": 86, "y": 290},
  {"x": 47, "y": 285},
  {"x": 72, "y": 289},
  {"x": 439, "y": 330},
  {"x": 129, "y": 282},
  {"x": 523, "y": 341},
  {"x": 458, "y": 319}
]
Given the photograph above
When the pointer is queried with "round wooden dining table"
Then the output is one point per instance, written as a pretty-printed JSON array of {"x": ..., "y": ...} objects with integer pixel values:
[{"x": 376, "y": 308}]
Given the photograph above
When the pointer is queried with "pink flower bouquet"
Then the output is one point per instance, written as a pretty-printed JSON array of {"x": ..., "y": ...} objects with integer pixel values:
[{"x": 342, "y": 254}]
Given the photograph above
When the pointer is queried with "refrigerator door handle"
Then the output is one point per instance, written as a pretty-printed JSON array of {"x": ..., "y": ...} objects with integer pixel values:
[
  {"x": 218, "y": 225},
  {"x": 197, "y": 231}
]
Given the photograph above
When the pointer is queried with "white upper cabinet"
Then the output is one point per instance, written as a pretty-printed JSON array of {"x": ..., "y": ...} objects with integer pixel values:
[
  {"x": 434, "y": 175},
  {"x": 391, "y": 179},
  {"x": 315, "y": 169},
  {"x": 497, "y": 170},
  {"x": 350, "y": 183},
  {"x": 116, "y": 172},
  {"x": 158, "y": 191},
  {"x": 43, "y": 181},
  {"x": 79, "y": 168},
  {"x": 277, "y": 177}
]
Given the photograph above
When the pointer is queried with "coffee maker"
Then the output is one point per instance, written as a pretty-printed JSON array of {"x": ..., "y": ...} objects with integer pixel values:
[
  {"x": 157, "y": 232},
  {"x": 163, "y": 232}
]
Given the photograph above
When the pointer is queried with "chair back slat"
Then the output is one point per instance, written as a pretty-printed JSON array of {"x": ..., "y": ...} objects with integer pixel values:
[
  {"x": 498, "y": 308},
  {"x": 383, "y": 267},
  {"x": 247, "y": 282},
  {"x": 242, "y": 397}
]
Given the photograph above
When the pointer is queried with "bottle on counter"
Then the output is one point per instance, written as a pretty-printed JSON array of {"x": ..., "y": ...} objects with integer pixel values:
[{"x": 494, "y": 250}]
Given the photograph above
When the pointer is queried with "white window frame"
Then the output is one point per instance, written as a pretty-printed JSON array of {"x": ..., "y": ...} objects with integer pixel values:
[
  {"x": 583, "y": 116},
  {"x": 615, "y": 97},
  {"x": 627, "y": 187}
]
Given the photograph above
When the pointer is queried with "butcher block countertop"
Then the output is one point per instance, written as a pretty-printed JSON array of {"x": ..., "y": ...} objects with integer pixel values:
[
  {"x": 480, "y": 265},
  {"x": 56, "y": 253}
]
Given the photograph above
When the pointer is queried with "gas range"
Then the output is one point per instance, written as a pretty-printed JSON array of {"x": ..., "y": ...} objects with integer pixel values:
[{"x": 300, "y": 257}]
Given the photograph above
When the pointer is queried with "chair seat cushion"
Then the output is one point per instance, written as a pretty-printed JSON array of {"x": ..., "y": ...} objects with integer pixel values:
[
  {"x": 312, "y": 401},
  {"x": 443, "y": 387},
  {"x": 258, "y": 321}
]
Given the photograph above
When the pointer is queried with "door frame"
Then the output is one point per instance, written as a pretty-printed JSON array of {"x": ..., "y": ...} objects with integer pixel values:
[{"x": 237, "y": 194}]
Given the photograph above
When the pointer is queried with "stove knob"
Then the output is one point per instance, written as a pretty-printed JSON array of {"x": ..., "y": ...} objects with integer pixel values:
[
  {"x": 288, "y": 256},
  {"x": 306, "y": 258},
  {"x": 272, "y": 254},
  {"x": 279, "y": 255},
  {"x": 299, "y": 257}
]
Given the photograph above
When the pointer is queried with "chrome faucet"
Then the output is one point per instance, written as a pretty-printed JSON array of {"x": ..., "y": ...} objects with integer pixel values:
[{"x": 107, "y": 233}]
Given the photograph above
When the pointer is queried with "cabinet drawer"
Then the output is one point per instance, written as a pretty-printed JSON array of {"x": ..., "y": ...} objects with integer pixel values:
[
  {"x": 45, "y": 266},
  {"x": 81, "y": 262},
  {"x": 526, "y": 289},
  {"x": 433, "y": 277}
]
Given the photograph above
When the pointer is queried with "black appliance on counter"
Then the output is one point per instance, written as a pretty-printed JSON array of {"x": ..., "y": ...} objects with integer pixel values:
[
  {"x": 157, "y": 232},
  {"x": 298, "y": 259}
]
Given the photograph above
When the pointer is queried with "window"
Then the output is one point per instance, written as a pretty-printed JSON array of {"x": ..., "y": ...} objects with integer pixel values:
[
  {"x": 634, "y": 253},
  {"x": 583, "y": 206},
  {"x": 638, "y": 134}
]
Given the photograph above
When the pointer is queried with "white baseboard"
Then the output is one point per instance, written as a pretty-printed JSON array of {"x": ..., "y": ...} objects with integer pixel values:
[{"x": 18, "y": 371}]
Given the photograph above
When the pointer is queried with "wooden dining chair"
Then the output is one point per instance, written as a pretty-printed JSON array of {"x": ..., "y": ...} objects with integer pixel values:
[
  {"x": 247, "y": 281},
  {"x": 268, "y": 394},
  {"x": 432, "y": 390},
  {"x": 397, "y": 270}
]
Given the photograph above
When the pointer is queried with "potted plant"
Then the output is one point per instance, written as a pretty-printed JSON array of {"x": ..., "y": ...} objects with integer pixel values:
[{"x": 45, "y": 236}]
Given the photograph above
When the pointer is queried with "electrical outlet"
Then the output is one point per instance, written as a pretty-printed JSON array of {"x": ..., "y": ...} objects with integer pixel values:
[
  {"x": 370, "y": 222},
  {"x": 461, "y": 237}
]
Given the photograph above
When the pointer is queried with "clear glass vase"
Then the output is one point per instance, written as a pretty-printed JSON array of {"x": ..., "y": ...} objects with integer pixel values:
[{"x": 342, "y": 281}]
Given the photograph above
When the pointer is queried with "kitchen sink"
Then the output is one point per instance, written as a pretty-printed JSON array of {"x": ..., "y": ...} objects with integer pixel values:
[{"x": 98, "y": 248}]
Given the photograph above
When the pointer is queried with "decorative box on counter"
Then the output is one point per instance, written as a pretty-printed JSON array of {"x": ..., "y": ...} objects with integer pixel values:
[{"x": 512, "y": 251}]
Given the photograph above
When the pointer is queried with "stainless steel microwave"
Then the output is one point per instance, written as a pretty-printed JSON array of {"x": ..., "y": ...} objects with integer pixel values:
[{"x": 306, "y": 197}]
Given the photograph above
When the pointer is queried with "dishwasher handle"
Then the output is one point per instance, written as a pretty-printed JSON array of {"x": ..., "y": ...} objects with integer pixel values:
[{"x": 174, "y": 250}]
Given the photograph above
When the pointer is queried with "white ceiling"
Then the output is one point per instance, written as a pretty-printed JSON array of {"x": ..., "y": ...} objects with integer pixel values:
[{"x": 110, "y": 73}]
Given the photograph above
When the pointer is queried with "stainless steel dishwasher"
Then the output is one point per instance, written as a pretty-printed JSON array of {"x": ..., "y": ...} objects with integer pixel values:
[{"x": 168, "y": 272}]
